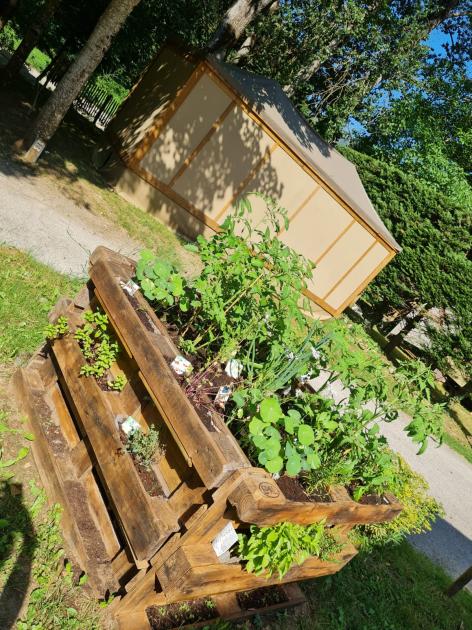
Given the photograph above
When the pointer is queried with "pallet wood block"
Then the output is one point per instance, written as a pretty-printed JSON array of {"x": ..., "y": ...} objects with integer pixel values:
[
  {"x": 63, "y": 486},
  {"x": 146, "y": 526}
]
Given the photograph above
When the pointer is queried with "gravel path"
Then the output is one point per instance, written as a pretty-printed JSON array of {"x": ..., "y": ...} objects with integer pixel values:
[
  {"x": 449, "y": 475},
  {"x": 38, "y": 218}
]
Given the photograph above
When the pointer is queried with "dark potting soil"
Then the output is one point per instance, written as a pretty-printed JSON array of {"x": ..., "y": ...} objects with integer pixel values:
[
  {"x": 261, "y": 598},
  {"x": 143, "y": 316},
  {"x": 181, "y": 614},
  {"x": 293, "y": 490},
  {"x": 369, "y": 499},
  {"x": 147, "y": 476}
]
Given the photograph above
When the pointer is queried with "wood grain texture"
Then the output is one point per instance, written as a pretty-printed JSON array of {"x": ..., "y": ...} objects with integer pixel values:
[{"x": 146, "y": 523}]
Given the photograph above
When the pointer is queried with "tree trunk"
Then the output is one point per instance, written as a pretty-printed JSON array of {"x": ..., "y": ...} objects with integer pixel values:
[
  {"x": 237, "y": 18},
  {"x": 28, "y": 42},
  {"x": 7, "y": 8},
  {"x": 51, "y": 115}
]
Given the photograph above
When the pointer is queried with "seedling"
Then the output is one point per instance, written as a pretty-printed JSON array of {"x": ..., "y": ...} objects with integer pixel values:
[
  {"x": 118, "y": 383},
  {"x": 57, "y": 330}
]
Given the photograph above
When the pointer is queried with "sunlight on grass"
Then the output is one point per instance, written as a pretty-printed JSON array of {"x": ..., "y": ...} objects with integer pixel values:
[{"x": 28, "y": 291}]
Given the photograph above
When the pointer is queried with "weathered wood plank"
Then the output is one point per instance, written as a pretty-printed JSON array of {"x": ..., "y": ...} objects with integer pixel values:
[
  {"x": 258, "y": 499},
  {"x": 61, "y": 485},
  {"x": 146, "y": 527},
  {"x": 214, "y": 454}
]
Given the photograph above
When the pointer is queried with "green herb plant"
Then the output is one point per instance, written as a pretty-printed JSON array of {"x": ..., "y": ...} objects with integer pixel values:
[
  {"x": 145, "y": 447},
  {"x": 118, "y": 383},
  {"x": 275, "y": 549},
  {"x": 57, "y": 330},
  {"x": 98, "y": 346}
]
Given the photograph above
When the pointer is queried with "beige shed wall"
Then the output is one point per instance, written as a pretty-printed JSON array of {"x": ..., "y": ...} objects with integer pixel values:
[
  {"x": 156, "y": 90},
  {"x": 186, "y": 129},
  {"x": 357, "y": 276},
  {"x": 341, "y": 257},
  {"x": 214, "y": 175},
  {"x": 210, "y": 152}
]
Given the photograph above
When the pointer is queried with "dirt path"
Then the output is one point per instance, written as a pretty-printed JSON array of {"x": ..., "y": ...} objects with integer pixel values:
[{"x": 37, "y": 217}]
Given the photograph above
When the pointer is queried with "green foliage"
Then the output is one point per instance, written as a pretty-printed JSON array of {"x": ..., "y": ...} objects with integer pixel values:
[
  {"x": 434, "y": 268},
  {"x": 99, "y": 348},
  {"x": 28, "y": 291},
  {"x": 246, "y": 297},
  {"x": 419, "y": 511},
  {"x": 282, "y": 441},
  {"x": 268, "y": 550},
  {"x": 144, "y": 447},
  {"x": 118, "y": 383},
  {"x": 160, "y": 281},
  {"x": 57, "y": 330}
]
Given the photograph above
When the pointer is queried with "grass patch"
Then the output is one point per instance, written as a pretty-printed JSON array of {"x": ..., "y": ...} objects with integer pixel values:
[
  {"x": 38, "y": 60},
  {"x": 459, "y": 447},
  {"x": 28, "y": 290},
  {"x": 391, "y": 589}
]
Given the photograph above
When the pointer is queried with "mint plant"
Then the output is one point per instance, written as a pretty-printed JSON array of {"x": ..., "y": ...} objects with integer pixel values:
[
  {"x": 98, "y": 346},
  {"x": 278, "y": 548},
  {"x": 57, "y": 330},
  {"x": 118, "y": 383}
]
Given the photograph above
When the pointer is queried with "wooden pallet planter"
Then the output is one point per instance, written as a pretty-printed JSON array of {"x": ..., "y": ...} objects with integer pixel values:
[{"x": 155, "y": 550}]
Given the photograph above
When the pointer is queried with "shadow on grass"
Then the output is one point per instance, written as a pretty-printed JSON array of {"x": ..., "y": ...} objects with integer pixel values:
[{"x": 17, "y": 545}]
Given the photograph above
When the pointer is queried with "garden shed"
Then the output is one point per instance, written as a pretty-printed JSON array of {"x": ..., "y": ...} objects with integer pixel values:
[{"x": 196, "y": 134}]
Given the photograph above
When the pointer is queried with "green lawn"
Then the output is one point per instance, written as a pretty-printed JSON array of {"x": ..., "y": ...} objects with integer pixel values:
[{"x": 28, "y": 290}]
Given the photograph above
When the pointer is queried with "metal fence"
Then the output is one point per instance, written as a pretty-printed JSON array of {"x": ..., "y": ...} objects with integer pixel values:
[{"x": 97, "y": 105}]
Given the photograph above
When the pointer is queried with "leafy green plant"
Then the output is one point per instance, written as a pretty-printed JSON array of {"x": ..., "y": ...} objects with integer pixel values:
[
  {"x": 279, "y": 547},
  {"x": 160, "y": 281},
  {"x": 98, "y": 347},
  {"x": 57, "y": 330},
  {"x": 293, "y": 450},
  {"x": 419, "y": 511},
  {"x": 144, "y": 447},
  {"x": 118, "y": 383}
]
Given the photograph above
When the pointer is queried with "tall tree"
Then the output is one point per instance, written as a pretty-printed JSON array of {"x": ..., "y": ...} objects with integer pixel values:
[
  {"x": 7, "y": 8},
  {"x": 73, "y": 81},
  {"x": 235, "y": 22},
  {"x": 331, "y": 56},
  {"x": 29, "y": 41}
]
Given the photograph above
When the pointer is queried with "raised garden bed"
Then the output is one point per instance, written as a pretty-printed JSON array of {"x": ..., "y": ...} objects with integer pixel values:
[{"x": 154, "y": 546}]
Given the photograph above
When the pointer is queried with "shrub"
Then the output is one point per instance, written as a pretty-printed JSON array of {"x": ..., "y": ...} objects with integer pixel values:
[{"x": 419, "y": 511}]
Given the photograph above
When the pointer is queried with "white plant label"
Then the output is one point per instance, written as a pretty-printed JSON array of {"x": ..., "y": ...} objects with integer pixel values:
[
  {"x": 130, "y": 287},
  {"x": 130, "y": 425},
  {"x": 181, "y": 366},
  {"x": 225, "y": 540},
  {"x": 234, "y": 368}
]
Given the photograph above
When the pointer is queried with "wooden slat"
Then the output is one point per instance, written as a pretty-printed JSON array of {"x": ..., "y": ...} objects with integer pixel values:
[
  {"x": 146, "y": 527},
  {"x": 192, "y": 574},
  {"x": 257, "y": 499},
  {"x": 61, "y": 485},
  {"x": 214, "y": 454}
]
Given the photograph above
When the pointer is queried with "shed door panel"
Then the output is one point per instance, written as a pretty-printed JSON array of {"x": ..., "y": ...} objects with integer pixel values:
[
  {"x": 281, "y": 179},
  {"x": 357, "y": 276},
  {"x": 186, "y": 129},
  {"x": 316, "y": 226},
  {"x": 215, "y": 175},
  {"x": 341, "y": 258}
]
